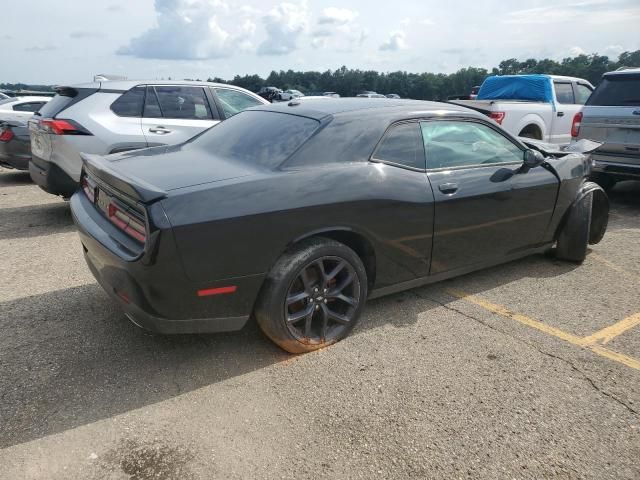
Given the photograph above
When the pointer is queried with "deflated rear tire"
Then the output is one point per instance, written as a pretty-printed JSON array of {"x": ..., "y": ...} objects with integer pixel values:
[
  {"x": 313, "y": 296},
  {"x": 574, "y": 236}
]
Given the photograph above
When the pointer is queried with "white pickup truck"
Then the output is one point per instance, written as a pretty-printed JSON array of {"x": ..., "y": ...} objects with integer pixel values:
[{"x": 541, "y": 107}]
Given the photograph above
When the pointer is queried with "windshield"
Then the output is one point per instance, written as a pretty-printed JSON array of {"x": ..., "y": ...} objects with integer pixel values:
[
  {"x": 617, "y": 91},
  {"x": 257, "y": 137}
]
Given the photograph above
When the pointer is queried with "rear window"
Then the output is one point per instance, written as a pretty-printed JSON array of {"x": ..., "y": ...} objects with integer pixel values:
[
  {"x": 66, "y": 97},
  {"x": 617, "y": 91},
  {"x": 260, "y": 138}
]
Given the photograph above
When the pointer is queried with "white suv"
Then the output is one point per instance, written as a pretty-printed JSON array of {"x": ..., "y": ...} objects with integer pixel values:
[{"x": 116, "y": 116}]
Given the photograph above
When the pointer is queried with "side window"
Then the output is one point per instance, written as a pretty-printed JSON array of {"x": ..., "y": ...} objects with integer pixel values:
[
  {"x": 129, "y": 104},
  {"x": 28, "y": 107},
  {"x": 402, "y": 145},
  {"x": 564, "y": 93},
  {"x": 183, "y": 102},
  {"x": 151, "y": 105},
  {"x": 233, "y": 101},
  {"x": 451, "y": 144},
  {"x": 582, "y": 93}
]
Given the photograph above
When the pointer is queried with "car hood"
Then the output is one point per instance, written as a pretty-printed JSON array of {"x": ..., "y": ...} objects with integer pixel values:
[{"x": 172, "y": 167}]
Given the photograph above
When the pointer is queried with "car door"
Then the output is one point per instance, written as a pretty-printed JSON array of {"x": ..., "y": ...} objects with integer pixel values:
[
  {"x": 409, "y": 239},
  {"x": 566, "y": 108},
  {"x": 231, "y": 101},
  {"x": 486, "y": 207},
  {"x": 175, "y": 113}
]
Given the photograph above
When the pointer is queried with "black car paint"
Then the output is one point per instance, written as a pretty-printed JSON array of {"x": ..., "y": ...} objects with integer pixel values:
[{"x": 217, "y": 223}]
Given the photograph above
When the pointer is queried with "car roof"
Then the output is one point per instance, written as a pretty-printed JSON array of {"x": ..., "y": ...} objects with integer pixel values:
[
  {"x": 124, "y": 85},
  {"x": 32, "y": 98},
  {"x": 319, "y": 109},
  {"x": 624, "y": 71}
]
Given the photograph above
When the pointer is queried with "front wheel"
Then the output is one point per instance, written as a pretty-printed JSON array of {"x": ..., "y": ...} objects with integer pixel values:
[
  {"x": 573, "y": 239},
  {"x": 313, "y": 296}
]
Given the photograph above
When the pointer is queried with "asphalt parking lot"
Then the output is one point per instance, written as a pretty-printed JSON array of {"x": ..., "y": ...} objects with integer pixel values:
[{"x": 526, "y": 370}]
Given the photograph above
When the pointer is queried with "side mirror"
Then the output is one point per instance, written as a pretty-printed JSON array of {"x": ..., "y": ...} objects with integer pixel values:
[{"x": 532, "y": 159}]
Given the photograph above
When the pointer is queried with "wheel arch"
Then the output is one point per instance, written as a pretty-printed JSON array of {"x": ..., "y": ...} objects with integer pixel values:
[
  {"x": 532, "y": 121},
  {"x": 599, "y": 212},
  {"x": 357, "y": 241}
]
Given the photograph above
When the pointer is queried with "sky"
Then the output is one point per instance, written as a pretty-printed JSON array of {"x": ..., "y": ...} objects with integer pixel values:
[{"x": 69, "y": 41}]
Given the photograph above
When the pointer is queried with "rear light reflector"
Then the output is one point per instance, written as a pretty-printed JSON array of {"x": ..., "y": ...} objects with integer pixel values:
[
  {"x": 88, "y": 189},
  {"x": 6, "y": 135},
  {"x": 126, "y": 222},
  {"x": 497, "y": 116},
  {"x": 63, "y": 127},
  {"x": 216, "y": 291},
  {"x": 575, "y": 126}
]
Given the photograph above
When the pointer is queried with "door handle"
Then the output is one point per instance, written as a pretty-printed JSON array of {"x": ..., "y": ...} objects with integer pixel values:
[
  {"x": 561, "y": 114},
  {"x": 448, "y": 188},
  {"x": 160, "y": 130}
]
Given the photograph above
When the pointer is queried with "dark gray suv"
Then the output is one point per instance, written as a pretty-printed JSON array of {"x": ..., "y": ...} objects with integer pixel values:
[{"x": 612, "y": 116}]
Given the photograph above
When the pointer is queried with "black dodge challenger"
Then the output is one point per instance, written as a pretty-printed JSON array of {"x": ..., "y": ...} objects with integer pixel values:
[{"x": 298, "y": 212}]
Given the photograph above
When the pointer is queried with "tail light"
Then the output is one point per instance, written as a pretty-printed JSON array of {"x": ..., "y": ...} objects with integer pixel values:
[
  {"x": 497, "y": 116},
  {"x": 575, "y": 126},
  {"x": 88, "y": 188},
  {"x": 7, "y": 135},
  {"x": 63, "y": 127},
  {"x": 126, "y": 221}
]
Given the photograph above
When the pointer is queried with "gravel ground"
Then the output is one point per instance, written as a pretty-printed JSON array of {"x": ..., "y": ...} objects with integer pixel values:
[{"x": 428, "y": 386}]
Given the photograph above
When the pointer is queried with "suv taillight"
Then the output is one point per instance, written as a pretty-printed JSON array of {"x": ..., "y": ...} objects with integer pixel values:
[
  {"x": 131, "y": 225},
  {"x": 6, "y": 135},
  {"x": 575, "y": 126},
  {"x": 497, "y": 116},
  {"x": 63, "y": 127}
]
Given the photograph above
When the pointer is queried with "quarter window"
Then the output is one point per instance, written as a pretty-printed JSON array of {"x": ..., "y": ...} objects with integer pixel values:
[
  {"x": 582, "y": 94},
  {"x": 129, "y": 104},
  {"x": 451, "y": 144},
  {"x": 28, "y": 107},
  {"x": 401, "y": 145},
  {"x": 564, "y": 93},
  {"x": 183, "y": 102},
  {"x": 233, "y": 101}
]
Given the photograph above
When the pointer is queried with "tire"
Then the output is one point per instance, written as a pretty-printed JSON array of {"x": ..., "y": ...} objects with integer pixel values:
[
  {"x": 574, "y": 236},
  {"x": 322, "y": 311}
]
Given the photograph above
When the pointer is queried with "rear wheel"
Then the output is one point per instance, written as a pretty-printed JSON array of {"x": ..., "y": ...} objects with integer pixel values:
[
  {"x": 574, "y": 236},
  {"x": 313, "y": 296}
]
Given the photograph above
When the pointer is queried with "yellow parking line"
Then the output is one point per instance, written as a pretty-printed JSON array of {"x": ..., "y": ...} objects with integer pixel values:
[
  {"x": 556, "y": 332},
  {"x": 530, "y": 322},
  {"x": 607, "y": 334}
]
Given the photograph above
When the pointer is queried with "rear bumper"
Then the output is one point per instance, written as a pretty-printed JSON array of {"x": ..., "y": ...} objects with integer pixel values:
[
  {"x": 158, "y": 296},
  {"x": 619, "y": 167},
  {"x": 14, "y": 156},
  {"x": 51, "y": 178}
]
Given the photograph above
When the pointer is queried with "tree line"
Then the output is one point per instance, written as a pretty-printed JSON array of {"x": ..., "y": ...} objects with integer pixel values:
[
  {"x": 430, "y": 86},
  {"x": 423, "y": 86}
]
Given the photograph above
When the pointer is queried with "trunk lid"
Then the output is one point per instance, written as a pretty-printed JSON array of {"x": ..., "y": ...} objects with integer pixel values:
[
  {"x": 149, "y": 174},
  {"x": 617, "y": 127}
]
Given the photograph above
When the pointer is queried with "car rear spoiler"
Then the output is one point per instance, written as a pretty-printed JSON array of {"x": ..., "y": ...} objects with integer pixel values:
[
  {"x": 138, "y": 189},
  {"x": 582, "y": 146}
]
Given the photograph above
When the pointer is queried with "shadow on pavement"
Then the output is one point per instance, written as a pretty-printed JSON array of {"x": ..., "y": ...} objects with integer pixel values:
[
  {"x": 11, "y": 178},
  {"x": 35, "y": 220}
]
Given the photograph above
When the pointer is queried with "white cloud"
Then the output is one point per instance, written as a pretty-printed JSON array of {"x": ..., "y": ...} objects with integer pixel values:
[
  {"x": 337, "y": 16},
  {"x": 575, "y": 51},
  {"x": 284, "y": 24},
  {"x": 192, "y": 30},
  {"x": 427, "y": 22},
  {"x": 396, "y": 41},
  {"x": 577, "y": 13}
]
